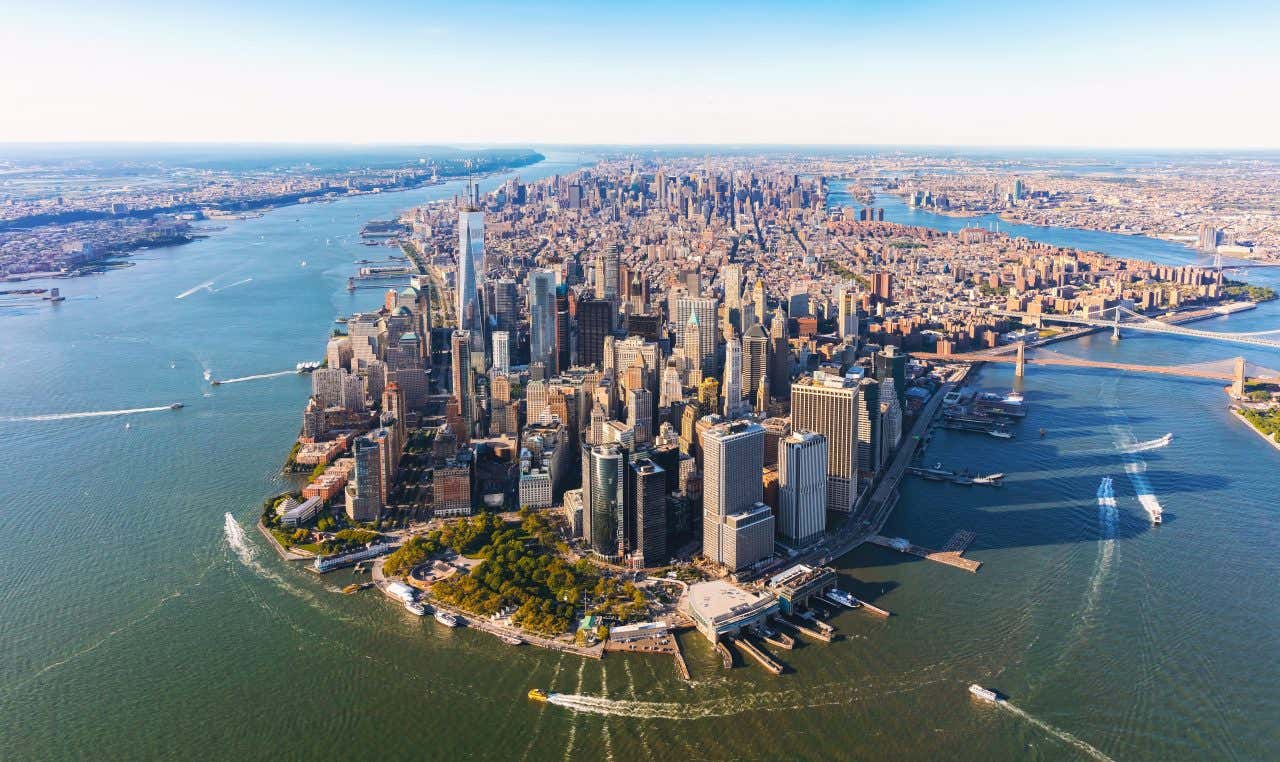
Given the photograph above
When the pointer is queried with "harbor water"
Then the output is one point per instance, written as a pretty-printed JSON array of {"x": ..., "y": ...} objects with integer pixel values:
[{"x": 144, "y": 617}]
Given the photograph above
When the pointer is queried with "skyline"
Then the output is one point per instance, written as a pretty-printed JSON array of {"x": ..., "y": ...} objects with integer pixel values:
[{"x": 944, "y": 74}]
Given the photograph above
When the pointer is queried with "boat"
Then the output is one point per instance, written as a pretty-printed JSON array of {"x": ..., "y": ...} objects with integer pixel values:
[
  {"x": 836, "y": 595},
  {"x": 446, "y": 619},
  {"x": 512, "y": 640},
  {"x": 413, "y": 607},
  {"x": 307, "y": 366},
  {"x": 1000, "y": 434},
  {"x": 1043, "y": 432},
  {"x": 985, "y": 694},
  {"x": 537, "y": 694},
  {"x": 349, "y": 589},
  {"x": 128, "y": 426},
  {"x": 215, "y": 382},
  {"x": 177, "y": 406},
  {"x": 990, "y": 479}
]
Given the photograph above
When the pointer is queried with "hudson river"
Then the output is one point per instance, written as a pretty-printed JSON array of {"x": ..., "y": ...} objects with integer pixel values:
[{"x": 139, "y": 622}]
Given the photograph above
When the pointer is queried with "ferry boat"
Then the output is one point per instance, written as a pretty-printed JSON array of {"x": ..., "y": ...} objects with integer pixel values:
[
  {"x": 984, "y": 694},
  {"x": 413, "y": 607},
  {"x": 307, "y": 366},
  {"x": 446, "y": 619},
  {"x": 177, "y": 406},
  {"x": 836, "y": 595},
  {"x": 537, "y": 694}
]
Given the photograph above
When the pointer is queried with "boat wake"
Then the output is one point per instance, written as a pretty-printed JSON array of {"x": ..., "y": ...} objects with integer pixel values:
[
  {"x": 207, "y": 284},
  {"x": 1107, "y": 517},
  {"x": 259, "y": 376},
  {"x": 232, "y": 285},
  {"x": 91, "y": 414},
  {"x": 1061, "y": 735},
  {"x": 236, "y": 539},
  {"x": 1151, "y": 444},
  {"x": 1136, "y": 468}
]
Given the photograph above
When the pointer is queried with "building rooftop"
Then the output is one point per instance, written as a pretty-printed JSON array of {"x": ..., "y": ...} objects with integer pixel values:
[{"x": 718, "y": 601}]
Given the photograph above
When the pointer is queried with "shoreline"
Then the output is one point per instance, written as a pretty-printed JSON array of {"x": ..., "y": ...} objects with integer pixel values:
[{"x": 1235, "y": 411}]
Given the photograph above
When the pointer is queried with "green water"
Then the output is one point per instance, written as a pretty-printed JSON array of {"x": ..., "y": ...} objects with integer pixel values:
[{"x": 138, "y": 623}]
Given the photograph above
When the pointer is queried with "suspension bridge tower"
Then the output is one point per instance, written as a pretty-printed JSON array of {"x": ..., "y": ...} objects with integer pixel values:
[
  {"x": 1237, "y": 378},
  {"x": 1019, "y": 368}
]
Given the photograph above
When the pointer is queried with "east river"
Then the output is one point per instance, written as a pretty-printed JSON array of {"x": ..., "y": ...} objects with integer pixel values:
[{"x": 138, "y": 621}]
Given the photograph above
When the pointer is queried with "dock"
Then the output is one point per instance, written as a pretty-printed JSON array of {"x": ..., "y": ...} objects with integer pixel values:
[
  {"x": 819, "y": 635},
  {"x": 780, "y": 640},
  {"x": 873, "y": 609},
  {"x": 770, "y": 666},
  {"x": 681, "y": 665},
  {"x": 952, "y": 553},
  {"x": 725, "y": 654}
]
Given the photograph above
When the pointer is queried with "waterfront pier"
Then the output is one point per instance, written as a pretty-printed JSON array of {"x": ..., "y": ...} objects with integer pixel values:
[
  {"x": 951, "y": 553},
  {"x": 770, "y": 665}
]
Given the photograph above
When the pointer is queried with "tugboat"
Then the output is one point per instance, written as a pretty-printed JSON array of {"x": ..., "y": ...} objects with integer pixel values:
[
  {"x": 984, "y": 694},
  {"x": 537, "y": 694}
]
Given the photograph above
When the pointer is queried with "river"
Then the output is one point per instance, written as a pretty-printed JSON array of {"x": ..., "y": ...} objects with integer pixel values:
[{"x": 141, "y": 622}]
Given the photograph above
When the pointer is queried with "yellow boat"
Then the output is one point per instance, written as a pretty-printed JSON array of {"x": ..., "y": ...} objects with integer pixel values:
[{"x": 537, "y": 694}]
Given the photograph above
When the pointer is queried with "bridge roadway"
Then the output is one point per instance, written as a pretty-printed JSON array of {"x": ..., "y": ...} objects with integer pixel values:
[
  {"x": 1170, "y": 326},
  {"x": 1166, "y": 370}
]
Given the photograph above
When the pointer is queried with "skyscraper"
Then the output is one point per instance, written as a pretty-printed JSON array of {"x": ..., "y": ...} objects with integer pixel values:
[
  {"x": 595, "y": 322},
  {"x": 755, "y": 358},
  {"x": 734, "y": 527},
  {"x": 542, "y": 320},
  {"x": 891, "y": 363},
  {"x": 470, "y": 260},
  {"x": 462, "y": 381},
  {"x": 848, "y": 306},
  {"x": 606, "y": 471},
  {"x": 828, "y": 404},
  {"x": 732, "y": 383},
  {"x": 647, "y": 511},
  {"x": 502, "y": 352},
  {"x": 607, "y": 273},
  {"x": 364, "y": 491},
  {"x": 802, "y": 485}
]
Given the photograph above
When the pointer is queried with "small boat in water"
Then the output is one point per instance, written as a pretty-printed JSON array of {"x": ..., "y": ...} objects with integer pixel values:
[
  {"x": 413, "y": 607},
  {"x": 984, "y": 694},
  {"x": 1000, "y": 434},
  {"x": 177, "y": 406},
  {"x": 446, "y": 619},
  {"x": 991, "y": 480},
  {"x": 537, "y": 694}
]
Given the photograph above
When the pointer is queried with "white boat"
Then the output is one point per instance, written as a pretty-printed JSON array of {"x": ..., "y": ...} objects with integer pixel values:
[
  {"x": 416, "y": 608},
  {"x": 836, "y": 595},
  {"x": 512, "y": 640},
  {"x": 992, "y": 479},
  {"x": 1013, "y": 398},
  {"x": 1000, "y": 434},
  {"x": 446, "y": 619},
  {"x": 984, "y": 694},
  {"x": 128, "y": 426}
]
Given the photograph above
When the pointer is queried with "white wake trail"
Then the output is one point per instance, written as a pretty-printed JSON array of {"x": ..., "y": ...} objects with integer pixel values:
[
  {"x": 233, "y": 285},
  {"x": 1061, "y": 735},
  {"x": 236, "y": 539},
  {"x": 259, "y": 376},
  {"x": 91, "y": 414},
  {"x": 1151, "y": 444},
  {"x": 193, "y": 289}
]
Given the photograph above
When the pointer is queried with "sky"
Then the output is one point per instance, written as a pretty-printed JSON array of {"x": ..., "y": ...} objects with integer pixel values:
[{"x": 1113, "y": 74}]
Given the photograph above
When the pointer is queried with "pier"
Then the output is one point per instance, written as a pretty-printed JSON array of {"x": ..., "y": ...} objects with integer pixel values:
[
  {"x": 873, "y": 609},
  {"x": 819, "y": 635},
  {"x": 951, "y": 553},
  {"x": 726, "y": 655},
  {"x": 770, "y": 666}
]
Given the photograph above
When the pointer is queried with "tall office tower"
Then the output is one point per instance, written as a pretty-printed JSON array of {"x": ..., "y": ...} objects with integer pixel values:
[
  {"x": 848, "y": 306},
  {"x": 672, "y": 392},
  {"x": 393, "y": 405},
  {"x": 798, "y": 302},
  {"x": 732, "y": 383},
  {"x": 501, "y": 352},
  {"x": 732, "y": 274},
  {"x": 607, "y": 273},
  {"x": 337, "y": 354},
  {"x": 462, "y": 381},
  {"x": 755, "y": 358},
  {"x": 364, "y": 489},
  {"x": 890, "y": 419},
  {"x": 637, "y": 294},
  {"x": 542, "y": 320},
  {"x": 506, "y": 309},
  {"x": 891, "y": 363},
  {"x": 470, "y": 311},
  {"x": 595, "y": 322},
  {"x": 634, "y": 350},
  {"x": 647, "y": 511},
  {"x": 802, "y": 485},
  {"x": 775, "y": 430},
  {"x": 759, "y": 301},
  {"x": 704, "y": 355},
  {"x": 563, "y": 346},
  {"x": 778, "y": 367},
  {"x": 882, "y": 286},
  {"x": 640, "y": 414},
  {"x": 828, "y": 404},
  {"x": 607, "y": 473},
  {"x": 869, "y": 434},
  {"x": 732, "y": 522},
  {"x": 367, "y": 337}
]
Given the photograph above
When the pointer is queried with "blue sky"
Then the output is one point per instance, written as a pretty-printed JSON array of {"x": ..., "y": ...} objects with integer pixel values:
[{"x": 1092, "y": 74}]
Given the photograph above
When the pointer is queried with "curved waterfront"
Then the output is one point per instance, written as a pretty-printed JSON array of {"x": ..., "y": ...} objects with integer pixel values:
[{"x": 140, "y": 623}]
